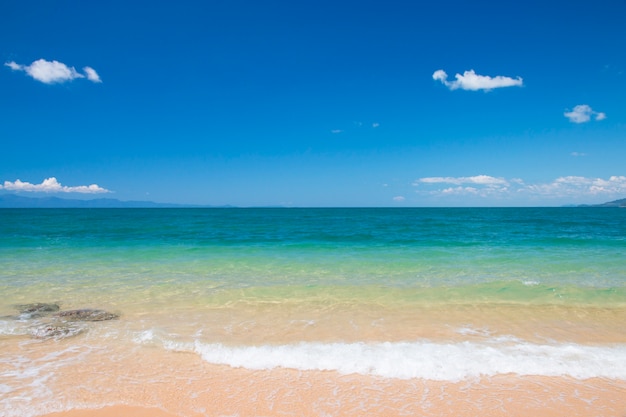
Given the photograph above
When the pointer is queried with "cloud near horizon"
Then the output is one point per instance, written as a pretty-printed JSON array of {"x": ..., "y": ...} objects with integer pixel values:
[
  {"x": 487, "y": 186},
  {"x": 51, "y": 72},
  {"x": 478, "y": 179},
  {"x": 51, "y": 185},
  {"x": 474, "y": 82},
  {"x": 583, "y": 113}
]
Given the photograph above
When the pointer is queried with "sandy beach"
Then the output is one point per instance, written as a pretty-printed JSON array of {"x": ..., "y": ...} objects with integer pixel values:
[
  {"x": 321, "y": 395},
  {"x": 183, "y": 385}
]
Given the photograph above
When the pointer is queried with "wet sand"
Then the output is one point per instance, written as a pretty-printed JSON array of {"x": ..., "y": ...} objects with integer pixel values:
[
  {"x": 502, "y": 397},
  {"x": 182, "y": 385},
  {"x": 117, "y": 411}
]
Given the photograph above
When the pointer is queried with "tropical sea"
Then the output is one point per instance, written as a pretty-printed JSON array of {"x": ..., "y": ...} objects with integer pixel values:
[{"x": 314, "y": 312}]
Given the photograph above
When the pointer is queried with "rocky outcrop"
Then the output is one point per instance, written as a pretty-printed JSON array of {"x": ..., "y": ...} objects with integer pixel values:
[
  {"x": 50, "y": 323},
  {"x": 87, "y": 314},
  {"x": 55, "y": 331},
  {"x": 37, "y": 309}
]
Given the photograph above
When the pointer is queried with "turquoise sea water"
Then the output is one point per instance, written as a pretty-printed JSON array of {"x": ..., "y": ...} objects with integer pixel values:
[
  {"x": 435, "y": 294},
  {"x": 530, "y": 255}
]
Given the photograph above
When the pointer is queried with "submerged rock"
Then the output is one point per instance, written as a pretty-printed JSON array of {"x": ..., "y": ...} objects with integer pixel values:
[
  {"x": 36, "y": 309},
  {"x": 87, "y": 314},
  {"x": 61, "y": 324},
  {"x": 55, "y": 331}
]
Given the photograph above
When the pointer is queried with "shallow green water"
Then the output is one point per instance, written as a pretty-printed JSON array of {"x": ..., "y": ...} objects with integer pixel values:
[{"x": 544, "y": 255}]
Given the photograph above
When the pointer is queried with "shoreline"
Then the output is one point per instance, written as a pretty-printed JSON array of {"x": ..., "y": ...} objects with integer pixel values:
[
  {"x": 150, "y": 382},
  {"x": 179, "y": 384}
]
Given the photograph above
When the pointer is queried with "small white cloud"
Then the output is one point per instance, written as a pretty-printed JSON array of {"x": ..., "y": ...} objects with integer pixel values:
[
  {"x": 474, "y": 82},
  {"x": 13, "y": 65},
  {"x": 486, "y": 186},
  {"x": 51, "y": 72},
  {"x": 92, "y": 75},
  {"x": 51, "y": 185},
  {"x": 440, "y": 75},
  {"x": 573, "y": 185},
  {"x": 335, "y": 131},
  {"x": 477, "y": 179},
  {"x": 375, "y": 125},
  {"x": 399, "y": 198},
  {"x": 478, "y": 185},
  {"x": 583, "y": 113},
  {"x": 576, "y": 154},
  {"x": 460, "y": 190}
]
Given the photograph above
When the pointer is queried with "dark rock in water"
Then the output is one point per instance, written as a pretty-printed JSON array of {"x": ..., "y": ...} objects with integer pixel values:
[
  {"x": 54, "y": 331},
  {"x": 87, "y": 314},
  {"x": 61, "y": 325},
  {"x": 36, "y": 309}
]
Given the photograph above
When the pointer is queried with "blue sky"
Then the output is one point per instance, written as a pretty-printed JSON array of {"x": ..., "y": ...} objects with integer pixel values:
[{"x": 315, "y": 103}]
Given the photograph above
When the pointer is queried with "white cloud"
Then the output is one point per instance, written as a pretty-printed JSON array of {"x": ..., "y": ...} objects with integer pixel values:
[
  {"x": 51, "y": 185},
  {"x": 460, "y": 190},
  {"x": 477, "y": 179},
  {"x": 574, "y": 185},
  {"x": 13, "y": 66},
  {"x": 92, "y": 75},
  {"x": 399, "y": 198},
  {"x": 51, "y": 72},
  {"x": 478, "y": 185},
  {"x": 583, "y": 113},
  {"x": 473, "y": 82},
  {"x": 487, "y": 186}
]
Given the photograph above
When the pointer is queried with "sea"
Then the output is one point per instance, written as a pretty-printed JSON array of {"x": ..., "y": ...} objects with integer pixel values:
[{"x": 315, "y": 311}]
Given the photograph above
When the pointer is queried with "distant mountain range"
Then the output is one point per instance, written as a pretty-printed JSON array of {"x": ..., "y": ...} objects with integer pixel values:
[
  {"x": 17, "y": 201},
  {"x": 616, "y": 203}
]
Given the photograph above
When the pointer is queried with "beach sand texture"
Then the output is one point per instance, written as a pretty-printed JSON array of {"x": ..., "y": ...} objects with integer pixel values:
[{"x": 184, "y": 385}]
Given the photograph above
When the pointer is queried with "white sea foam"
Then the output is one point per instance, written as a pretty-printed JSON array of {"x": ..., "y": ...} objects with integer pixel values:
[
  {"x": 427, "y": 360},
  {"x": 469, "y": 330},
  {"x": 12, "y": 327},
  {"x": 6, "y": 329},
  {"x": 25, "y": 382},
  {"x": 144, "y": 336}
]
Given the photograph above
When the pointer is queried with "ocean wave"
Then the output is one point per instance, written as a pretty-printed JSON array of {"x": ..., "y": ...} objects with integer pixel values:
[
  {"x": 12, "y": 327},
  {"x": 423, "y": 359}
]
